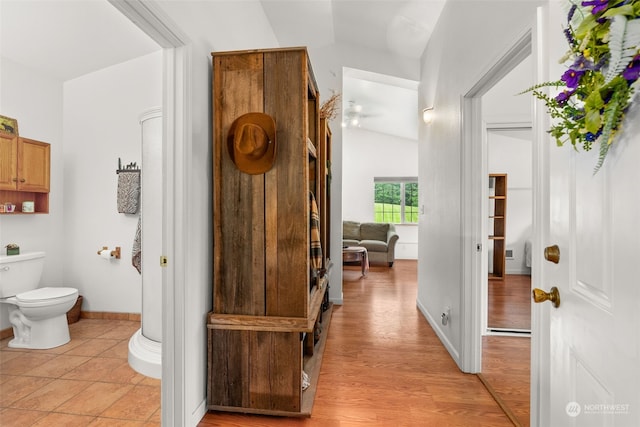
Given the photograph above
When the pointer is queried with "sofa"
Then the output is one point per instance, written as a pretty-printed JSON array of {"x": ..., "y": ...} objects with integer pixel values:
[{"x": 378, "y": 238}]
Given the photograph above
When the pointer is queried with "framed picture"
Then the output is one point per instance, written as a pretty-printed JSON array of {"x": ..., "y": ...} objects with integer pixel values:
[{"x": 8, "y": 125}]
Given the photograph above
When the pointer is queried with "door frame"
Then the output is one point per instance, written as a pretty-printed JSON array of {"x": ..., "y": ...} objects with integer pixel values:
[
  {"x": 176, "y": 141},
  {"x": 474, "y": 170},
  {"x": 540, "y": 318},
  {"x": 473, "y": 153}
]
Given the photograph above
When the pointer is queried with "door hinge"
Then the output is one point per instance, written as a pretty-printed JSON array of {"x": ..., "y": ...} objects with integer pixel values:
[{"x": 164, "y": 261}]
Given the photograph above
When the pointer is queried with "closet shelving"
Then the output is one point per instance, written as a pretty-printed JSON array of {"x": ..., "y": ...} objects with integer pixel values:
[{"x": 497, "y": 222}]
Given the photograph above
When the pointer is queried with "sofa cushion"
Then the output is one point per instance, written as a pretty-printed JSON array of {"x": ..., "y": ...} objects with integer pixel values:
[
  {"x": 351, "y": 230},
  {"x": 350, "y": 242},
  {"x": 374, "y": 231},
  {"x": 374, "y": 245}
]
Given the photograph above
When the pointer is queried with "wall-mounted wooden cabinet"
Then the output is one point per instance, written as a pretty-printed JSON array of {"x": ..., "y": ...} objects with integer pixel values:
[
  {"x": 24, "y": 172},
  {"x": 268, "y": 300}
]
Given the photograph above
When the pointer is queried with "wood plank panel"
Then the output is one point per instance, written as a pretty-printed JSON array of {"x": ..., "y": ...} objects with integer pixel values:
[
  {"x": 275, "y": 382},
  {"x": 228, "y": 366},
  {"x": 264, "y": 363},
  {"x": 285, "y": 100},
  {"x": 239, "y": 223}
]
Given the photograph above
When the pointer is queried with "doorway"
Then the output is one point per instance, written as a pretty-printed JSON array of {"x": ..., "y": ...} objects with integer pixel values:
[
  {"x": 176, "y": 143},
  {"x": 488, "y": 108},
  {"x": 509, "y": 154},
  {"x": 506, "y": 339}
]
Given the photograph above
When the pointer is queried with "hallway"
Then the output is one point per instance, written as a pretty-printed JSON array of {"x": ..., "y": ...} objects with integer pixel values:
[{"x": 384, "y": 365}]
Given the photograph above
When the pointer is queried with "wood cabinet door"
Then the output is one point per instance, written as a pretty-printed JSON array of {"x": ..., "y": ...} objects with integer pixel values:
[
  {"x": 8, "y": 161},
  {"x": 33, "y": 165}
]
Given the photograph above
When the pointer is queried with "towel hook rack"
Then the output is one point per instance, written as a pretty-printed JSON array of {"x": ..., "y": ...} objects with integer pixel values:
[{"x": 131, "y": 167}]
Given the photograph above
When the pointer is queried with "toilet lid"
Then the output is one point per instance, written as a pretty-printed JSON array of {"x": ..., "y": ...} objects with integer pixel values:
[{"x": 43, "y": 294}]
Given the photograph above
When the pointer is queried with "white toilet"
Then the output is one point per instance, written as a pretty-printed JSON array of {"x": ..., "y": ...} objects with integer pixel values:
[{"x": 38, "y": 315}]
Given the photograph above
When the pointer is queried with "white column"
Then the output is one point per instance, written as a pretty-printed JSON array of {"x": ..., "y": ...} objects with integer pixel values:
[{"x": 145, "y": 346}]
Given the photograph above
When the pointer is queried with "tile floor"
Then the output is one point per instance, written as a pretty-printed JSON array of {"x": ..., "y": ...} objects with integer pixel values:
[{"x": 87, "y": 382}]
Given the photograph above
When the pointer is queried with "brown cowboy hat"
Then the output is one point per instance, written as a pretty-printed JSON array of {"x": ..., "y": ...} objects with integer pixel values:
[{"x": 252, "y": 142}]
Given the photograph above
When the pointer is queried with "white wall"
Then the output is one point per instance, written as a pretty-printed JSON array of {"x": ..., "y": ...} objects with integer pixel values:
[
  {"x": 35, "y": 100},
  {"x": 101, "y": 124},
  {"x": 367, "y": 155},
  {"x": 469, "y": 38}
]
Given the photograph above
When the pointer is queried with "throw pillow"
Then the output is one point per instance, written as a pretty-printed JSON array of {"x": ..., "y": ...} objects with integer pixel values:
[
  {"x": 373, "y": 231},
  {"x": 350, "y": 230}
]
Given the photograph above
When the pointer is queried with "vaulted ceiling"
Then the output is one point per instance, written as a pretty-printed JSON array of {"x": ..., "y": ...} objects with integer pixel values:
[{"x": 70, "y": 38}]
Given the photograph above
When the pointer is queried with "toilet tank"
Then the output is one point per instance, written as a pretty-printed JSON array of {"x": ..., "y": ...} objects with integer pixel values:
[{"x": 20, "y": 273}]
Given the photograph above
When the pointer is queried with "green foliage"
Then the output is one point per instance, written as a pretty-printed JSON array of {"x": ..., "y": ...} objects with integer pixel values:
[
  {"x": 389, "y": 202},
  {"x": 598, "y": 85}
]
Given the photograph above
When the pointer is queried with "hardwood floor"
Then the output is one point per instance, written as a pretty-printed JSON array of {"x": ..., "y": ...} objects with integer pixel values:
[
  {"x": 510, "y": 302},
  {"x": 384, "y": 365},
  {"x": 506, "y": 359},
  {"x": 505, "y": 366}
]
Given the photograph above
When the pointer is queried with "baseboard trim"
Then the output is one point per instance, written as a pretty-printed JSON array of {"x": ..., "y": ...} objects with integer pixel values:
[
  {"x": 6, "y": 333},
  {"x": 106, "y": 315}
]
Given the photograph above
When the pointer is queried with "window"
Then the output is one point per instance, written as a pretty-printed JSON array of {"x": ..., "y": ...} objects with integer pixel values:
[{"x": 396, "y": 200}]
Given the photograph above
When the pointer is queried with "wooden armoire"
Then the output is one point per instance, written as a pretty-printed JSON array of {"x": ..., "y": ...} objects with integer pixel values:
[{"x": 270, "y": 315}]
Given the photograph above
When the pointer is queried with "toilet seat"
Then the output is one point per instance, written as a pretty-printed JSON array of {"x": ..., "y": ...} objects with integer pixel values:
[{"x": 44, "y": 294}]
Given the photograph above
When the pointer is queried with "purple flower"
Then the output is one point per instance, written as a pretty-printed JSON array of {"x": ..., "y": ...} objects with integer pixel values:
[
  {"x": 632, "y": 72},
  {"x": 571, "y": 12},
  {"x": 569, "y": 36},
  {"x": 564, "y": 96},
  {"x": 582, "y": 64},
  {"x": 572, "y": 78},
  {"x": 598, "y": 5},
  {"x": 589, "y": 136}
]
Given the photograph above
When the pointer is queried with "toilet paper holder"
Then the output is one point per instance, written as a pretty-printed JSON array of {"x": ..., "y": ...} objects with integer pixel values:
[{"x": 114, "y": 253}]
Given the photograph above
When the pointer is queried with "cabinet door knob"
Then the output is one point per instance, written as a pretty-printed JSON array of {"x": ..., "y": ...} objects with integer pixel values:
[
  {"x": 15, "y": 179},
  {"x": 22, "y": 180}
]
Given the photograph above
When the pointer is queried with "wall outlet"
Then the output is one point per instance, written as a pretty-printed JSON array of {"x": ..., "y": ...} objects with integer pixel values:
[{"x": 446, "y": 315}]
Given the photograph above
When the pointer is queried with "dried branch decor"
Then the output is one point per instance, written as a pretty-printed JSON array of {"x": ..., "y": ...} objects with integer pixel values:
[{"x": 329, "y": 108}]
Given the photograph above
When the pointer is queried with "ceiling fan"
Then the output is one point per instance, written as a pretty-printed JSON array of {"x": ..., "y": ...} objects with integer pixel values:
[{"x": 353, "y": 115}]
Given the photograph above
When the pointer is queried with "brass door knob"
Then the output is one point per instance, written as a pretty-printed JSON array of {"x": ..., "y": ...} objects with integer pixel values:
[
  {"x": 541, "y": 296},
  {"x": 552, "y": 254}
]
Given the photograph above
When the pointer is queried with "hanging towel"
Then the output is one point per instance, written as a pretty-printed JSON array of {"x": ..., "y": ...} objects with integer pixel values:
[
  {"x": 128, "y": 192},
  {"x": 315, "y": 250},
  {"x": 136, "y": 251}
]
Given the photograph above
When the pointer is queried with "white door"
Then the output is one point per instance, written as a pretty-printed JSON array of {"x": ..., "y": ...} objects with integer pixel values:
[{"x": 594, "y": 334}]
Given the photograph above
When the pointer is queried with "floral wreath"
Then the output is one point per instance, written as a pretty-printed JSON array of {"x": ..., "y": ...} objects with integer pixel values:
[{"x": 598, "y": 86}]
